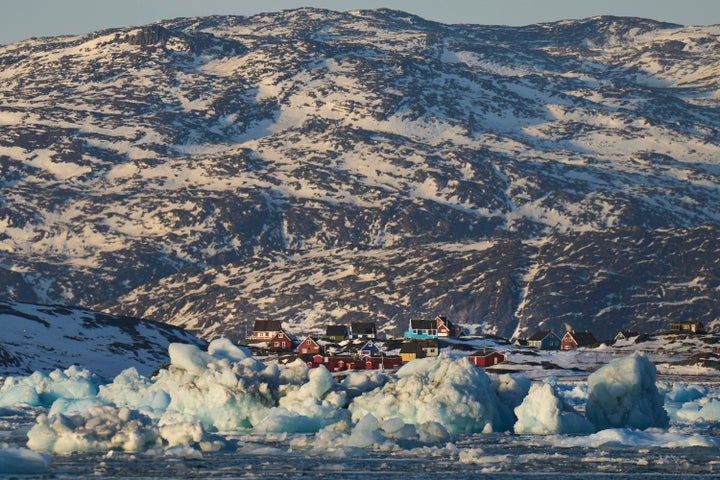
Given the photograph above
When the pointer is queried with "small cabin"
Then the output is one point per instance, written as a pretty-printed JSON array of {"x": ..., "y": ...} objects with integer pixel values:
[
  {"x": 572, "y": 340},
  {"x": 363, "y": 330},
  {"x": 309, "y": 346},
  {"x": 281, "y": 342},
  {"x": 265, "y": 330},
  {"x": 439, "y": 327},
  {"x": 414, "y": 349},
  {"x": 688, "y": 327},
  {"x": 368, "y": 349},
  {"x": 486, "y": 358},
  {"x": 544, "y": 340},
  {"x": 421, "y": 329},
  {"x": 445, "y": 328},
  {"x": 626, "y": 335},
  {"x": 336, "y": 333}
]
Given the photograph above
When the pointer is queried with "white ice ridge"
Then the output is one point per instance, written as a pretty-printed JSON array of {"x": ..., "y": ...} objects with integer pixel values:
[{"x": 203, "y": 399}]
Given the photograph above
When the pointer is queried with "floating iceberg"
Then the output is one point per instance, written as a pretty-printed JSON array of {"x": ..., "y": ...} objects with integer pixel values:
[{"x": 623, "y": 394}]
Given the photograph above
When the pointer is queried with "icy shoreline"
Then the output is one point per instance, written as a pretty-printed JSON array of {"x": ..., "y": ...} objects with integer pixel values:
[{"x": 206, "y": 404}]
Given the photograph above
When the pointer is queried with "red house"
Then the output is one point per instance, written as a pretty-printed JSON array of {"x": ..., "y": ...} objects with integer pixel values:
[
  {"x": 445, "y": 328},
  {"x": 309, "y": 347},
  {"x": 281, "y": 342},
  {"x": 486, "y": 358},
  {"x": 573, "y": 340},
  {"x": 382, "y": 362}
]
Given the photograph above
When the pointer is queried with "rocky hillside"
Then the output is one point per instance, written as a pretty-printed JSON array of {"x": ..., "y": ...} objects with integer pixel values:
[
  {"x": 44, "y": 338},
  {"x": 319, "y": 167}
]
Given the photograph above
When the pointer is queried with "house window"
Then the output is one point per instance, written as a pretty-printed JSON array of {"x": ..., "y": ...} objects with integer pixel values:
[{"x": 276, "y": 344}]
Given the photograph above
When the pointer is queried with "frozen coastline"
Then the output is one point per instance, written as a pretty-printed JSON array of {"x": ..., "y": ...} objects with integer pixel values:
[{"x": 223, "y": 404}]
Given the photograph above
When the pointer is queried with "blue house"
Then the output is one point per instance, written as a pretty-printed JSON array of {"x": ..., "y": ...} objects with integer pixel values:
[
  {"x": 368, "y": 349},
  {"x": 422, "y": 329}
]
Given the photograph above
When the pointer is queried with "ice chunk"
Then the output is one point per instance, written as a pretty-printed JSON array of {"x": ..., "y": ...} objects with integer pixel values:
[
  {"x": 357, "y": 383},
  {"x": 21, "y": 461},
  {"x": 189, "y": 358},
  {"x": 224, "y": 348},
  {"x": 543, "y": 412},
  {"x": 309, "y": 407},
  {"x": 452, "y": 392},
  {"x": 623, "y": 394},
  {"x": 618, "y": 437},
  {"x": 366, "y": 433},
  {"x": 100, "y": 428},
  {"x": 39, "y": 389},
  {"x": 18, "y": 394}
]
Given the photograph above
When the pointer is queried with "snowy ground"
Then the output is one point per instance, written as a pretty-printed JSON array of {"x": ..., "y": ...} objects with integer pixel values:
[{"x": 224, "y": 413}]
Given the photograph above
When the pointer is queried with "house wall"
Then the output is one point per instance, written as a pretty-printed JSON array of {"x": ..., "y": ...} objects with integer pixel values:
[{"x": 568, "y": 343}]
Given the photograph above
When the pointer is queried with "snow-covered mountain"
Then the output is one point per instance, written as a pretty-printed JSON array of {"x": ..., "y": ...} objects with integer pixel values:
[
  {"x": 319, "y": 167},
  {"x": 44, "y": 338}
]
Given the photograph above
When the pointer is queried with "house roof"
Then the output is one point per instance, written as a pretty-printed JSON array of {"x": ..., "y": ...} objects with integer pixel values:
[
  {"x": 443, "y": 319},
  {"x": 539, "y": 335},
  {"x": 336, "y": 331},
  {"x": 410, "y": 347},
  {"x": 628, "y": 333},
  {"x": 583, "y": 338},
  {"x": 485, "y": 353},
  {"x": 267, "y": 325},
  {"x": 418, "y": 324},
  {"x": 368, "y": 344},
  {"x": 362, "y": 327}
]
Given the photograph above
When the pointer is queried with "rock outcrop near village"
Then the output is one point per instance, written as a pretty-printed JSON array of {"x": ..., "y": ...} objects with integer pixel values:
[{"x": 318, "y": 167}]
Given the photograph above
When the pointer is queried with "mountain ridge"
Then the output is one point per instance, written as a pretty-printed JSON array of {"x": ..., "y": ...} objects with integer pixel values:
[{"x": 181, "y": 166}]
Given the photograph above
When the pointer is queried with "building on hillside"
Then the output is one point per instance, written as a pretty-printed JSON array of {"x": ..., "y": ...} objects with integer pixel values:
[
  {"x": 281, "y": 342},
  {"x": 439, "y": 327},
  {"x": 573, "y": 339},
  {"x": 265, "y": 330},
  {"x": 410, "y": 351},
  {"x": 414, "y": 349},
  {"x": 368, "y": 349},
  {"x": 421, "y": 329},
  {"x": 365, "y": 330},
  {"x": 688, "y": 326},
  {"x": 626, "y": 335},
  {"x": 486, "y": 358},
  {"x": 446, "y": 328},
  {"x": 336, "y": 333},
  {"x": 309, "y": 346},
  {"x": 544, "y": 340}
]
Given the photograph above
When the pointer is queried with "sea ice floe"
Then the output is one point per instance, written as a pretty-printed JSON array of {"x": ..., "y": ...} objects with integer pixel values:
[{"x": 21, "y": 461}]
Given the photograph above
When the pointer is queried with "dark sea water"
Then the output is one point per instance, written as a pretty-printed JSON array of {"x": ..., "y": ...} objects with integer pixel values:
[{"x": 470, "y": 457}]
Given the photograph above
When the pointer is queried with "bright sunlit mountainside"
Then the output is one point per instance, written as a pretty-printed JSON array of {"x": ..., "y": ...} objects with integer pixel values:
[{"x": 319, "y": 167}]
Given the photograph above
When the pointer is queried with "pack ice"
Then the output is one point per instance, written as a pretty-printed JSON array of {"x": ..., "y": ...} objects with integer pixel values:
[{"x": 203, "y": 398}]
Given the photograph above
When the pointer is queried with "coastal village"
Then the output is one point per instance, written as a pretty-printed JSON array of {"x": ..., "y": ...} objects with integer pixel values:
[{"x": 358, "y": 346}]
